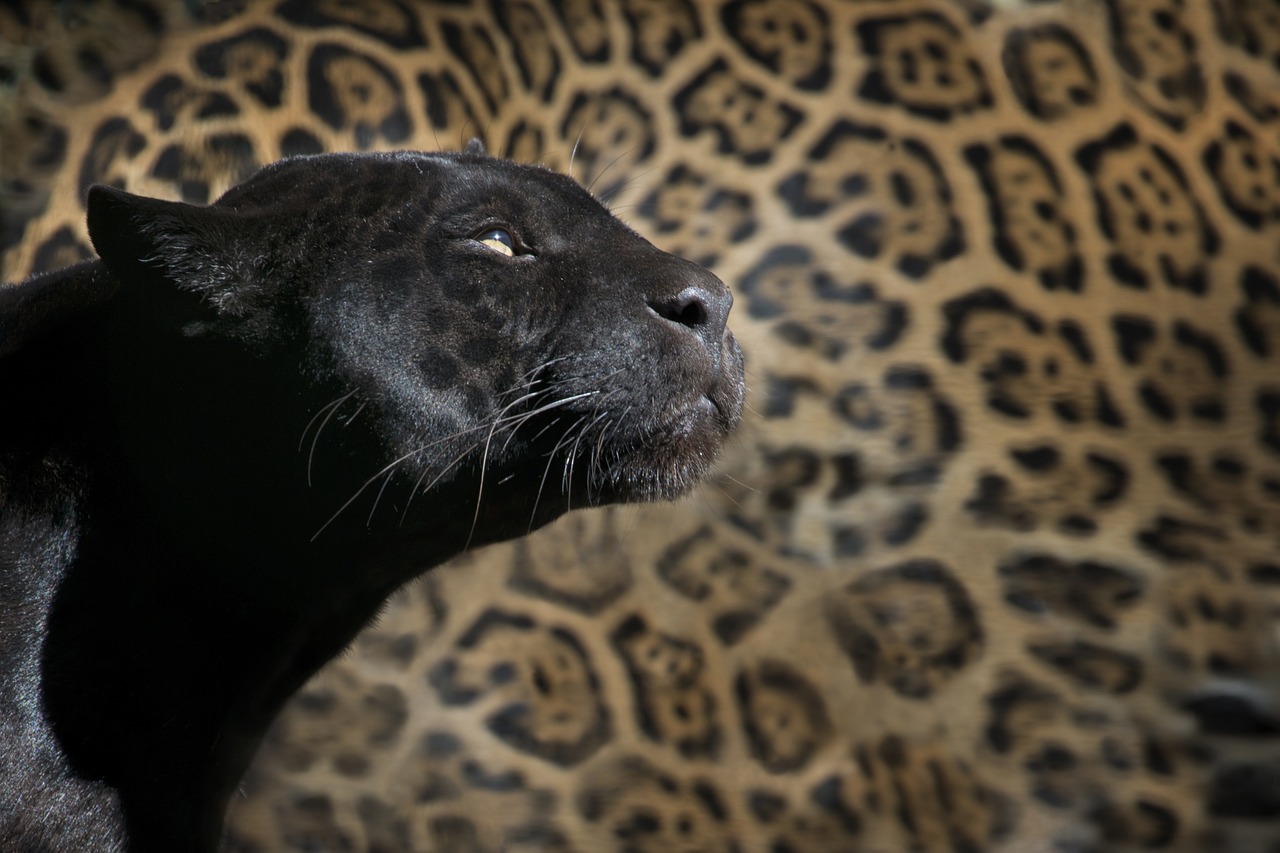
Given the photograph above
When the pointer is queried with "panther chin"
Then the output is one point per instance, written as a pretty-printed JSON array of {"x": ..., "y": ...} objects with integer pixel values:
[{"x": 673, "y": 458}]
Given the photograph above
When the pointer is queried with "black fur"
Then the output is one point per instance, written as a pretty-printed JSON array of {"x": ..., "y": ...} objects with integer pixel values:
[{"x": 226, "y": 442}]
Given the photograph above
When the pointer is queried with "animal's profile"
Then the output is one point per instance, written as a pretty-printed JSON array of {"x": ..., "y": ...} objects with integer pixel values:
[{"x": 226, "y": 442}]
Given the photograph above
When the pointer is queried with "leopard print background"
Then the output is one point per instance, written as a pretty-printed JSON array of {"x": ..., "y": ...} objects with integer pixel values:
[{"x": 992, "y": 565}]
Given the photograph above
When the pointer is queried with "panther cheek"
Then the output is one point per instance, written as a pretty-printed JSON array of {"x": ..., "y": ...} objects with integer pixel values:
[{"x": 439, "y": 369}]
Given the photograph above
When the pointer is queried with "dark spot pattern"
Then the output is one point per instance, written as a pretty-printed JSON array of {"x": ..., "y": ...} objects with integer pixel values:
[
  {"x": 550, "y": 704},
  {"x": 186, "y": 167},
  {"x": 355, "y": 94},
  {"x": 613, "y": 134},
  {"x": 1249, "y": 26},
  {"x": 115, "y": 144},
  {"x": 697, "y": 218},
  {"x": 172, "y": 99},
  {"x": 389, "y": 21},
  {"x": 446, "y": 104},
  {"x": 901, "y": 207},
  {"x": 538, "y": 59},
  {"x": 841, "y": 317},
  {"x": 1155, "y": 46},
  {"x": 1032, "y": 232},
  {"x": 922, "y": 64},
  {"x": 585, "y": 571},
  {"x": 911, "y": 626},
  {"x": 1158, "y": 229},
  {"x": 584, "y": 22},
  {"x": 674, "y": 703},
  {"x": 1050, "y": 71},
  {"x": 1027, "y": 367},
  {"x": 1092, "y": 666},
  {"x": 792, "y": 40},
  {"x": 477, "y": 52},
  {"x": 656, "y": 40},
  {"x": 1181, "y": 370},
  {"x": 1246, "y": 172},
  {"x": 1258, "y": 317},
  {"x": 1071, "y": 492},
  {"x": 732, "y": 587},
  {"x": 784, "y": 715},
  {"x": 252, "y": 59},
  {"x": 745, "y": 120},
  {"x": 642, "y": 807},
  {"x": 1090, "y": 592}
]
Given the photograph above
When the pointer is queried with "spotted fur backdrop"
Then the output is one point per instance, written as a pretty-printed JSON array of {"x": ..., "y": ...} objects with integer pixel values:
[{"x": 992, "y": 564}]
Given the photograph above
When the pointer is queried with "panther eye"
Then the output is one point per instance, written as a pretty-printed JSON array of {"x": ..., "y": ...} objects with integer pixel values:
[{"x": 498, "y": 239}]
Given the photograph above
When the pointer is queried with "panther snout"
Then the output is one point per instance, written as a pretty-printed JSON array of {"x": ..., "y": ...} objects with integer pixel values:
[{"x": 703, "y": 309}]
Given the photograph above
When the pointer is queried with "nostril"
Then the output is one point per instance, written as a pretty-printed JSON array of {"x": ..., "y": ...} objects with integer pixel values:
[{"x": 689, "y": 308}]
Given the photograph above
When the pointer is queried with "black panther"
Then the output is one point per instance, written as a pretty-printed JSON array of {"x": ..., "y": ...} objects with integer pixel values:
[{"x": 224, "y": 443}]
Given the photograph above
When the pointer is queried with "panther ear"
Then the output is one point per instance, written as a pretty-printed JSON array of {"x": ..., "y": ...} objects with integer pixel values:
[
  {"x": 145, "y": 238},
  {"x": 475, "y": 147}
]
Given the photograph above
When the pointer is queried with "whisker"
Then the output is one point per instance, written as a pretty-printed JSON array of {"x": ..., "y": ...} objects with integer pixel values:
[
  {"x": 597, "y": 458},
  {"x": 573, "y": 454},
  {"x": 484, "y": 464},
  {"x": 306, "y": 429},
  {"x": 438, "y": 477},
  {"x": 547, "y": 472},
  {"x": 725, "y": 494},
  {"x": 530, "y": 376},
  {"x": 315, "y": 440},
  {"x": 360, "y": 408},
  {"x": 529, "y": 388},
  {"x": 366, "y": 485},
  {"x": 729, "y": 476},
  {"x": 610, "y": 166},
  {"x": 391, "y": 466},
  {"x": 572, "y": 457},
  {"x": 633, "y": 180},
  {"x": 550, "y": 387},
  {"x": 498, "y": 422},
  {"x": 386, "y": 481},
  {"x": 574, "y": 152},
  {"x": 540, "y": 432}
]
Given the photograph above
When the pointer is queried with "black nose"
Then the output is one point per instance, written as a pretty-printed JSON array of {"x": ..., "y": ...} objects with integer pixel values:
[{"x": 702, "y": 308}]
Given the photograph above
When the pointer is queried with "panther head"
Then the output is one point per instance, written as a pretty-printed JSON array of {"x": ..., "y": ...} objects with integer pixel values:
[{"x": 470, "y": 328}]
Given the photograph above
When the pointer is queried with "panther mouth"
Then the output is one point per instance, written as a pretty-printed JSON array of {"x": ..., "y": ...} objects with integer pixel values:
[
  {"x": 669, "y": 460},
  {"x": 608, "y": 455},
  {"x": 707, "y": 410},
  {"x": 726, "y": 411}
]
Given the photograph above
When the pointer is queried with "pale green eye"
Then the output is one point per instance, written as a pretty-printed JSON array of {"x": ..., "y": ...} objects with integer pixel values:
[{"x": 499, "y": 240}]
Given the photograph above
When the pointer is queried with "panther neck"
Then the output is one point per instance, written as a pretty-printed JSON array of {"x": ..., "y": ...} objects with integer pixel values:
[
  {"x": 167, "y": 653},
  {"x": 164, "y": 667}
]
